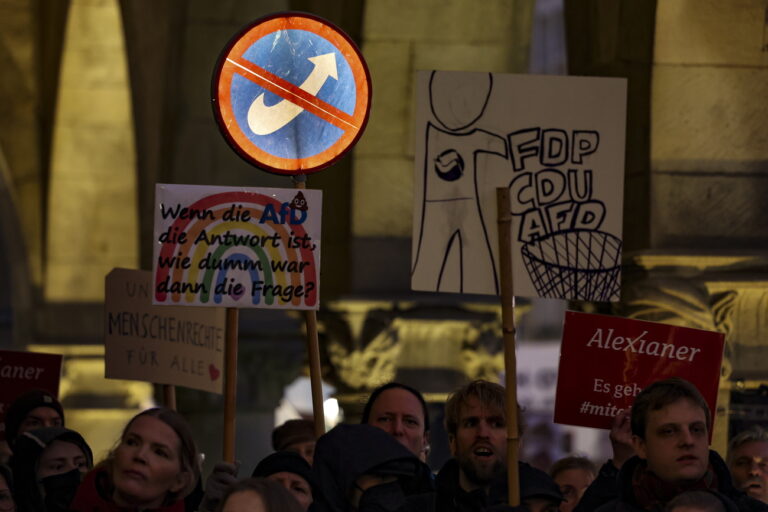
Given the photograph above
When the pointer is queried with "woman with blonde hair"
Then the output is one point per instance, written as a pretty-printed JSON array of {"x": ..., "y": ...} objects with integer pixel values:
[{"x": 153, "y": 467}]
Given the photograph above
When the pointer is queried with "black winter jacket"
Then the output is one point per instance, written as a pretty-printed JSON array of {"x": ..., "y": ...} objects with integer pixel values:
[
  {"x": 450, "y": 497},
  {"x": 734, "y": 499}
]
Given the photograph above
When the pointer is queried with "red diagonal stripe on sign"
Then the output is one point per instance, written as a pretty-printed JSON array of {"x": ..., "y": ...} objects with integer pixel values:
[{"x": 292, "y": 93}]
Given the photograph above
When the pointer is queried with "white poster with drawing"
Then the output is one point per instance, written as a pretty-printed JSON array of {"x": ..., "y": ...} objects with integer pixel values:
[{"x": 558, "y": 143}]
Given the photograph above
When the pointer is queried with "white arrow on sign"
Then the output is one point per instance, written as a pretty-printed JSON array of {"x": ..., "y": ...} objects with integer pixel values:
[{"x": 263, "y": 120}]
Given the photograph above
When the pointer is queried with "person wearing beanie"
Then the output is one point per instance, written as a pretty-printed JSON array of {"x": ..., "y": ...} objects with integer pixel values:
[
  {"x": 31, "y": 410},
  {"x": 291, "y": 471},
  {"x": 295, "y": 436},
  {"x": 48, "y": 464}
]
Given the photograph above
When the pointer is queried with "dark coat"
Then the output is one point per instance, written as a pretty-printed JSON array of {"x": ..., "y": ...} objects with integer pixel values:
[
  {"x": 733, "y": 499},
  {"x": 450, "y": 497},
  {"x": 604, "y": 488},
  {"x": 350, "y": 451}
]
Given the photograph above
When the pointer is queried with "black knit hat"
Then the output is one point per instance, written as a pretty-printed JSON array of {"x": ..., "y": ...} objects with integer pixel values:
[
  {"x": 288, "y": 462},
  {"x": 535, "y": 483},
  {"x": 23, "y": 404}
]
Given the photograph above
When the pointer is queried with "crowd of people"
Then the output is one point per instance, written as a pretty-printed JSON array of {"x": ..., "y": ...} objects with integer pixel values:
[{"x": 661, "y": 462}]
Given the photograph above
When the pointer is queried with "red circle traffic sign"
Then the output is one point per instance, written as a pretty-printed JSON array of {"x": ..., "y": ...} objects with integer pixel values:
[{"x": 291, "y": 93}]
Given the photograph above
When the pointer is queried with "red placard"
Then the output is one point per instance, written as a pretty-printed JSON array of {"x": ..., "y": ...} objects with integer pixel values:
[
  {"x": 606, "y": 360},
  {"x": 23, "y": 371}
]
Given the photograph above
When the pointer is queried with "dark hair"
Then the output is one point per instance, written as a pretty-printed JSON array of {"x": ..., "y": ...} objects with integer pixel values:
[
  {"x": 488, "y": 393},
  {"x": 275, "y": 497},
  {"x": 659, "y": 395},
  {"x": 394, "y": 385},
  {"x": 755, "y": 433},
  {"x": 572, "y": 462},
  {"x": 189, "y": 460},
  {"x": 698, "y": 499}
]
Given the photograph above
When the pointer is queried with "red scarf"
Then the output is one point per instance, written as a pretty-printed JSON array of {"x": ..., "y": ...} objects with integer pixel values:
[
  {"x": 93, "y": 495},
  {"x": 652, "y": 493}
]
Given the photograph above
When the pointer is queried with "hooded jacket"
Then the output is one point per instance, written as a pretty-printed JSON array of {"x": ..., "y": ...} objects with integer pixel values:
[
  {"x": 27, "y": 451},
  {"x": 349, "y": 451},
  {"x": 732, "y": 498}
]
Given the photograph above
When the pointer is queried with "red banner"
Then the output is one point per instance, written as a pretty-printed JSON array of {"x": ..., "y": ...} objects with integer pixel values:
[
  {"x": 23, "y": 371},
  {"x": 605, "y": 361}
]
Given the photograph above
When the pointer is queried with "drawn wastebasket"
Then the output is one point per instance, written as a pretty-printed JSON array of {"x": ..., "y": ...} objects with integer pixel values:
[{"x": 578, "y": 265}]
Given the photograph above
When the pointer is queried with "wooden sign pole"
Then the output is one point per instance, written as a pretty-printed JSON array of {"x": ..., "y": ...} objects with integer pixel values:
[
  {"x": 313, "y": 349},
  {"x": 504, "y": 221},
  {"x": 169, "y": 396},
  {"x": 230, "y": 384}
]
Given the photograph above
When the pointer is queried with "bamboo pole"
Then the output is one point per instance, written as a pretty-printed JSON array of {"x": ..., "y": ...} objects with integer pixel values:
[
  {"x": 169, "y": 396},
  {"x": 313, "y": 350},
  {"x": 230, "y": 385},
  {"x": 504, "y": 219}
]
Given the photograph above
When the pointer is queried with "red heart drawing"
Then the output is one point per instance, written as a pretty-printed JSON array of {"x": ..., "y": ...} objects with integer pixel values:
[{"x": 215, "y": 372}]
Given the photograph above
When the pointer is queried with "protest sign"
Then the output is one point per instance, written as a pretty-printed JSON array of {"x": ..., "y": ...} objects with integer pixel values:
[
  {"x": 557, "y": 144},
  {"x": 237, "y": 247},
  {"x": 24, "y": 371},
  {"x": 291, "y": 93},
  {"x": 605, "y": 361},
  {"x": 165, "y": 345}
]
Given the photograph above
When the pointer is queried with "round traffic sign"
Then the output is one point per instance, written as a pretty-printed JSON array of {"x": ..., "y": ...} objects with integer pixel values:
[{"x": 291, "y": 93}]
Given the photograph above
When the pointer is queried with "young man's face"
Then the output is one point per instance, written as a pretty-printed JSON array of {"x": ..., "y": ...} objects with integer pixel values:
[
  {"x": 480, "y": 444},
  {"x": 40, "y": 417},
  {"x": 749, "y": 467},
  {"x": 676, "y": 444}
]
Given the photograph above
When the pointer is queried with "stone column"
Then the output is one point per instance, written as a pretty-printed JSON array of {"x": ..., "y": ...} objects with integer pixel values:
[{"x": 697, "y": 162}]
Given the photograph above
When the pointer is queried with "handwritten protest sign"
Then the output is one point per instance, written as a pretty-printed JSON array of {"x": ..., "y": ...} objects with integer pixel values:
[
  {"x": 24, "y": 371},
  {"x": 605, "y": 361},
  {"x": 166, "y": 345},
  {"x": 557, "y": 143},
  {"x": 237, "y": 247}
]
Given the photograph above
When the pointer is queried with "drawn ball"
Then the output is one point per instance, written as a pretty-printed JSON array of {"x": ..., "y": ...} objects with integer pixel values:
[{"x": 449, "y": 165}]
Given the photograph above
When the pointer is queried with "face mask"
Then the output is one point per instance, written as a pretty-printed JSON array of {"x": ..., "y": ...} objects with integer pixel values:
[
  {"x": 382, "y": 498},
  {"x": 59, "y": 490}
]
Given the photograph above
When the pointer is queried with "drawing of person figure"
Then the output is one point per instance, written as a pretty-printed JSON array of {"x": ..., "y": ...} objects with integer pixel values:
[{"x": 451, "y": 216}]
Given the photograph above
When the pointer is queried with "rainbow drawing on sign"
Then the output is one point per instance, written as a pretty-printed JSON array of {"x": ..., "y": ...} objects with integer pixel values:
[{"x": 206, "y": 248}]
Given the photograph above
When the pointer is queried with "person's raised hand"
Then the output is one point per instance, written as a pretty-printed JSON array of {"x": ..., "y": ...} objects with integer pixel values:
[
  {"x": 621, "y": 438},
  {"x": 224, "y": 474}
]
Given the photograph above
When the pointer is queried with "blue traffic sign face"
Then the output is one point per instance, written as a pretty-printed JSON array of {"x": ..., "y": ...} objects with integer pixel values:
[{"x": 291, "y": 95}]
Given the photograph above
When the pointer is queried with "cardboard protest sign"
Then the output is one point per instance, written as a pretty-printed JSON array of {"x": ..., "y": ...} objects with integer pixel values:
[
  {"x": 165, "y": 345},
  {"x": 605, "y": 361},
  {"x": 237, "y": 247},
  {"x": 24, "y": 371},
  {"x": 557, "y": 143}
]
